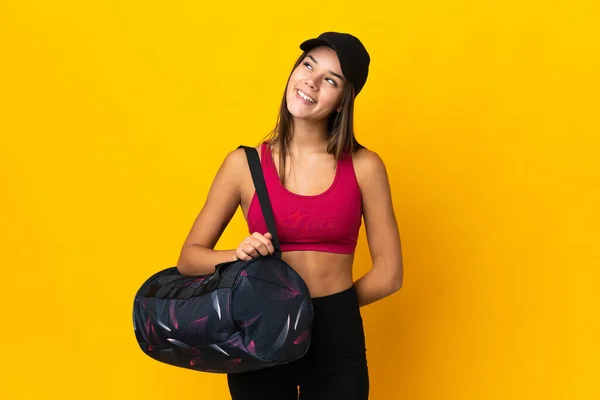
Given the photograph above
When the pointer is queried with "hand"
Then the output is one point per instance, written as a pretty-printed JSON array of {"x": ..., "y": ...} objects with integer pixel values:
[{"x": 254, "y": 246}]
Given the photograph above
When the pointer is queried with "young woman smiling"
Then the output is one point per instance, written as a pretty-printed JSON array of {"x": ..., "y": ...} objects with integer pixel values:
[{"x": 321, "y": 183}]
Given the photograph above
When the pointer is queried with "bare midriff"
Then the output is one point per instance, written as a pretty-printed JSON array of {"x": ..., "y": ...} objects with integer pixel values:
[{"x": 324, "y": 273}]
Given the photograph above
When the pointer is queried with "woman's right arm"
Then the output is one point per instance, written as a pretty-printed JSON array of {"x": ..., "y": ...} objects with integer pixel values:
[{"x": 197, "y": 256}]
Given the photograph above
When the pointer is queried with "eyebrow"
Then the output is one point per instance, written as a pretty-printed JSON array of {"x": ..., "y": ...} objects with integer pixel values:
[{"x": 330, "y": 71}]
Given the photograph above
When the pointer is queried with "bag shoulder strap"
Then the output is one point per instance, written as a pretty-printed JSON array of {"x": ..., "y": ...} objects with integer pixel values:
[{"x": 263, "y": 195}]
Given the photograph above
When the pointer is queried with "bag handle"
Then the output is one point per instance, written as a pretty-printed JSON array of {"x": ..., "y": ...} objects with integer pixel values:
[{"x": 263, "y": 195}]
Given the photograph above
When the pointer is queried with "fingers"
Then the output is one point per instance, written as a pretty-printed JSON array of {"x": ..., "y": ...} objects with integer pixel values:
[
  {"x": 241, "y": 255},
  {"x": 254, "y": 246},
  {"x": 266, "y": 246}
]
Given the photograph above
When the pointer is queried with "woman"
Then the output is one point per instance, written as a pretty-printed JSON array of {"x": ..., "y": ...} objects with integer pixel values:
[{"x": 321, "y": 185}]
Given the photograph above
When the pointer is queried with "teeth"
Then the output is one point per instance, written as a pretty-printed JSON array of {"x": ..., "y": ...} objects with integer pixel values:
[{"x": 305, "y": 97}]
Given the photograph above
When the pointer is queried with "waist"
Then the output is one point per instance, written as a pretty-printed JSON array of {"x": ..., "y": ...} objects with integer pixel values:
[{"x": 324, "y": 273}]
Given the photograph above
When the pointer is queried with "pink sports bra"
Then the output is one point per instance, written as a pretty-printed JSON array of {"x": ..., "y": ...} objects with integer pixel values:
[{"x": 328, "y": 222}]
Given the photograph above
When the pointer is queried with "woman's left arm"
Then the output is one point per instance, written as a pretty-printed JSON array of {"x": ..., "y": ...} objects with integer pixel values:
[{"x": 383, "y": 236}]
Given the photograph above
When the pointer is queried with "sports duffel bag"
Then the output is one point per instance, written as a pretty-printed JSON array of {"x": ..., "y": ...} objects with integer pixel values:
[{"x": 247, "y": 315}]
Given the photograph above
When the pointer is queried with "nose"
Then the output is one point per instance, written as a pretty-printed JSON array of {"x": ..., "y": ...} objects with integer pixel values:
[{"x": 309, "y": 82}]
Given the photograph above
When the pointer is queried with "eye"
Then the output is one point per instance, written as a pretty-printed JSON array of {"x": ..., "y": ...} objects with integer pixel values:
[
  {"x": 331, "y": 81},
  {"x": 306, "y": 64}
]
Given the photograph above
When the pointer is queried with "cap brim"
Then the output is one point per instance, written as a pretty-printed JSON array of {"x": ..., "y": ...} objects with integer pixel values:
[{"x": 312, "y": 43}]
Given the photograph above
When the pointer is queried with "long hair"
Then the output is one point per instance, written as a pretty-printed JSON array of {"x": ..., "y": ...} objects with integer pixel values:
[{"x": 340, "y": 127}]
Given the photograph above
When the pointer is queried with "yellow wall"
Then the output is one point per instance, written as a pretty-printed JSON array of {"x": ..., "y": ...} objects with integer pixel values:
[{"x": 115, "y": 115}]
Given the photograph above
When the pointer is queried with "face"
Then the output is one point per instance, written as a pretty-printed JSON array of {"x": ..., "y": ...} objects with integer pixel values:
[{"x": 315, "y": 87}]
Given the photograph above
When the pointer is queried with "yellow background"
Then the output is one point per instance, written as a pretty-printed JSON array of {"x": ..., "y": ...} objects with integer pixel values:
[{"x": 115, "y": 115}]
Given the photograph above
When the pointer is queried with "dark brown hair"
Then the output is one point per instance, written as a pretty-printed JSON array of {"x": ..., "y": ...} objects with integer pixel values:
[{"x": 340, "y": 126}]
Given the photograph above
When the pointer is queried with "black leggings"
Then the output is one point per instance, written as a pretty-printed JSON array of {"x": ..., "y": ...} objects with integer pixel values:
[{"x": 335, "y": 366}]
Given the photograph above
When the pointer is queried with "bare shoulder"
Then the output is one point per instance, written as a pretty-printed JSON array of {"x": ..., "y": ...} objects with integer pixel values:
[
  {"x": 235, "y": 160},
  {"x": 238, "y": 156},
  {"x": 369, "y": 167},
  {"x": 234, "y": 166}
]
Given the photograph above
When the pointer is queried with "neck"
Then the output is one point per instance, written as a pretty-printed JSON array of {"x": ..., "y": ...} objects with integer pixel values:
[{"x": 308, "y": 137}]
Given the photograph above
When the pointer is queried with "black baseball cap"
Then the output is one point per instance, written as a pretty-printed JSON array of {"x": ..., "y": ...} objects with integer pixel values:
[{"x": 353, "y": 56}]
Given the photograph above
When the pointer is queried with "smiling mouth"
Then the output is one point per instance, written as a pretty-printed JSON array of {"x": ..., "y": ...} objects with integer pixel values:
[{"x": 305, "y": 97}]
